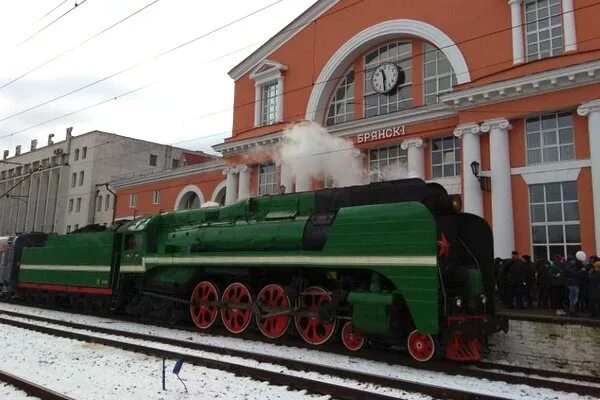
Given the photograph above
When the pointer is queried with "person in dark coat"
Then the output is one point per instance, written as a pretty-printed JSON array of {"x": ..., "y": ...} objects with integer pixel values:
[
  {"x": 594, "y": 291},
  {"x": 572, "y": 277},
  {"x": 516, "y": 281},
  {"x": 557, "y": 289},
  {"x": 544, "y": 284},
  {"x": 529, "y": 276}
]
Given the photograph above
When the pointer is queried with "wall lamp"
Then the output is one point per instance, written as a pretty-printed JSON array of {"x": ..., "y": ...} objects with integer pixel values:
[{"x": 485, "y": 183}]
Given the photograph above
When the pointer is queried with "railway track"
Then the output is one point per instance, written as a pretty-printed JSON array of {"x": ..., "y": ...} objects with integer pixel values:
[
  {"x": 32, "y": 389},
  {"x": 297, "y": 365}
]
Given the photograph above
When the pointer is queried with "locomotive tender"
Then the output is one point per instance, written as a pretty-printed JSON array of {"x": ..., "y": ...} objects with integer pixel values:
[{"x": 395, "y": 262}]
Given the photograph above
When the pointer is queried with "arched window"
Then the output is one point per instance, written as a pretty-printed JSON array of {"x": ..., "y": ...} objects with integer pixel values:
[
  {"x": 399, "y": 53},
  {"x": 341, "y": 108},
  {"x": 189, "y": 201},
  {"x": 438, "y": 77}
]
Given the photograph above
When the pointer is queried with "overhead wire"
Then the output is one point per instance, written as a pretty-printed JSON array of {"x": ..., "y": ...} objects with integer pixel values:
[
  {"x": 60, "y": 55},
  {"x": 289, "y": 29},
  {"x": 53, "y": 9},
  {"x": 51, "y": 23}
]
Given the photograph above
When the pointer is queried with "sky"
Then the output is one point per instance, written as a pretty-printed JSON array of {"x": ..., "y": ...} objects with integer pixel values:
[{"x": 185, "y": 85}]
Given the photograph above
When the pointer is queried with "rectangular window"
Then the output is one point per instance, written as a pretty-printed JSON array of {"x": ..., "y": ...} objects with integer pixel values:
[
  {"x": 132, "y": 200},
  {"x": 107, "y": 202},
  {"x": 399, "y": 53},
  {"x": 68, "y": 228},
  {"x": 83, "y": 153},
  {"x": 156, "y": 197},
  {"x": 445, "y": 157},
  {"x": 544, "y": 31},
  {"x": 153, "y": 160},
  {"x": 70, "y": 205},
  {"x": 387, "y": 163},
  {"x": 554, "y": 213},
  {"x": 81, "y": 176},
  {"x": 268, "y": 180},
  {"x": 76, "y": 155},
  {"x": 99, "y": 203},
  {"x": 175, "y": 164},
  {"x": 549, "y": 138},
  {"x": 268, "y": 102},
  {"x": 73, "y": 179},
  {"x": 438, "y": 77},
  {"x": 78, "y": 206},
  {"x": 76, "y": 227}
]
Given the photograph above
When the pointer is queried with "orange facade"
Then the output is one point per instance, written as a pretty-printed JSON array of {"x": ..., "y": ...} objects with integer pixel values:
[{"x": 512, "y": 86}]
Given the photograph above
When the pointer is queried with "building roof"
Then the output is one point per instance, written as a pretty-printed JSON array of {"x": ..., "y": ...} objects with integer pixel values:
[
  {"x": 197, "y": 157},
  {"x": 281, "y": 37}
]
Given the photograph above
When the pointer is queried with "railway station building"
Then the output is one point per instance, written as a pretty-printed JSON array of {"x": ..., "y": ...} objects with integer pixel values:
[{"x": 496, "y": 100}]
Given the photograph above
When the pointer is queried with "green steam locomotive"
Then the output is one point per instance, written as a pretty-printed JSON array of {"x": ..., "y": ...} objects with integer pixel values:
[{"x": 390, "y": 262}]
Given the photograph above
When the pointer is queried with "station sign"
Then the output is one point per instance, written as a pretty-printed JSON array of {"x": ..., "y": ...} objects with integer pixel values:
[{"x": 381, "y": 134}]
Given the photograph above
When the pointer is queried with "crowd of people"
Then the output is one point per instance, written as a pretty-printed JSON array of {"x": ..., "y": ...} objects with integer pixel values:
[{"x": 570, "y": 284}]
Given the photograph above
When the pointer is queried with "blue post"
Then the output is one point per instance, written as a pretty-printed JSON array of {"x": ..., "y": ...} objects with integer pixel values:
[{"x": 163, "y": 373}]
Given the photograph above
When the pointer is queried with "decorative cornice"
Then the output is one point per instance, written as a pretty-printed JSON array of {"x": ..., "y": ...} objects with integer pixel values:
[
  {"x": 587, "y": 108},
  {"x": 242, "y": 146},
  {"x": 170, "y": 174},
  {"x": 529, "y": 85},
  {"x": 496, "y": 123},
  {"x": 465, "y": 129},
  {"x": 511, "y": 2},
  {"x": 412, "y": 142},
  {"x": 280, "y": 38}
]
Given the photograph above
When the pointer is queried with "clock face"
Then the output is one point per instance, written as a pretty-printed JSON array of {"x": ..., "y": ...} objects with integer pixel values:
[{"x": 385, "y": 78}]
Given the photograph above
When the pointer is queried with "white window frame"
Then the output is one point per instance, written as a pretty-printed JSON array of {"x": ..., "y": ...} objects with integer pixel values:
[
  {"x": 554, "y": 30},
  {"x": 555, "y": 132},
  {"x": 563, "y": 223},
  {"x": 346, "y": 102},
  {"x": 268, "y": 180},
  {"x": 156, "y": 197},
  {"x": 107, "y": 202},
  {"x": 457, "y": 162},
  {"x": 133, "y": 200},
  {"x": 385, "y": 160},
  {"x": 70, "y": 205},
  {"x": 78, "y": 205},
  {"x": 268, "y": 72},
  {"x": 434, "y": 56}
]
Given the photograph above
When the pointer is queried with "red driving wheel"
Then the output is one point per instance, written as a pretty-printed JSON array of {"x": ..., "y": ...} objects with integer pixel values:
[
  {"x": 421, "y": 346},
  {"x": 311, "y": 327},
  {"x": 273, "y": 300},
  {"x": 236, "y": 308},
  {"x": 352, "y": 339},
  {"x": 204, "y": 304}
]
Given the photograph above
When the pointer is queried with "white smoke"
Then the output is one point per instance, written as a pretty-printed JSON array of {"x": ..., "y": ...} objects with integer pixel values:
[
  {"x": 393, "y": 172},
  {"x": 309, "y": 151}
]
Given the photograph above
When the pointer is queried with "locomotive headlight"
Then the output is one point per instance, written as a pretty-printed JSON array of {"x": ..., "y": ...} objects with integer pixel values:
[
  {"x": 483, "y": 299},
  {"x": 458, "y": 302}
]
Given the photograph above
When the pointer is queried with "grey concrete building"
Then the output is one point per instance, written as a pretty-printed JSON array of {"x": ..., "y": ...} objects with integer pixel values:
[{"x": 65, "y": 185}]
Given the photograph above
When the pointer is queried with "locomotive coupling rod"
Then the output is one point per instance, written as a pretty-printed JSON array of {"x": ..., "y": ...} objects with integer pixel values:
[{"x": 162, "y": 296}]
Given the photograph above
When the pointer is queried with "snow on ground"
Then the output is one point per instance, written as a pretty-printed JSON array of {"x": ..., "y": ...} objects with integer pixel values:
[
  {"x": 347, "y": 362},
  {"x": 10, "y": 392},
  {"x": 94, "y": 372}
]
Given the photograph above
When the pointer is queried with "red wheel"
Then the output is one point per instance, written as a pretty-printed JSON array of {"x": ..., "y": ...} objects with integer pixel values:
[
  {"x": 311, "y": 327},
  {"x": 352, "y": 339},
  {"x": 236, "y": 308},
  {"x": 273, "y": 297},
  {"x": 204, "y": 306},
  {"x": 421, "y": 346}
]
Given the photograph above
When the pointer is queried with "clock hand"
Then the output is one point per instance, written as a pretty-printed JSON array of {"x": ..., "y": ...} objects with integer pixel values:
[{"x": 383, "y": 78}]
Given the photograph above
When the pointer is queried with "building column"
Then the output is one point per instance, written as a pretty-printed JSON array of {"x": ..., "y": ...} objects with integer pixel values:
[
  {"x": 502, "y": 210},
  {"x": 416, "y": 157},
  {"x": 244, "y": 182},
  {"x": 592, "y": 111},
  {"x": 287, "y": 179},
  {"x": 231, "y": 182},
  {"x": 516, "y": 12},
  {"x": 569, "y": 25},
  {"x": 472, "y": 194}
]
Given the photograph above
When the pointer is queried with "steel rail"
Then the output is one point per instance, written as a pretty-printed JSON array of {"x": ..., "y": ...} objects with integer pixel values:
[
  {"x": 314, "y": 386},
  {"x": 32, "y": 389}
]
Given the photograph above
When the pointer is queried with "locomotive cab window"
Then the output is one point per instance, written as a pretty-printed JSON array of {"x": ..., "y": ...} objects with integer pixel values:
[{"x": 133, "y": 242}]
